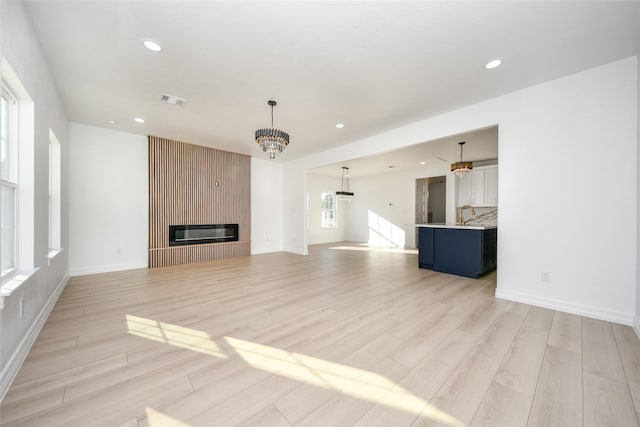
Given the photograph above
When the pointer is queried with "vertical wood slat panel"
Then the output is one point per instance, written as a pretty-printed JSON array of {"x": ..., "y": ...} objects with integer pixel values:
[{"x": 182, "y": 190}]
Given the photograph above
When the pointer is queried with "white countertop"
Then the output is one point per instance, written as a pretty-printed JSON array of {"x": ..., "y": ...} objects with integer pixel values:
[{"x": 471, "y": 226}]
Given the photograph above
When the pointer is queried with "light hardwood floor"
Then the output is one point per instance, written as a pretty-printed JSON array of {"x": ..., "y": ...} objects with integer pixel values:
[{"x": 345, "y": 336}]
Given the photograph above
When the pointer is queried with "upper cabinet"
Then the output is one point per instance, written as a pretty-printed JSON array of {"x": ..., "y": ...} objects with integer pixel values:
[
  {"x": 478, "y": 188},
  {"x": 491, "y": 186}
]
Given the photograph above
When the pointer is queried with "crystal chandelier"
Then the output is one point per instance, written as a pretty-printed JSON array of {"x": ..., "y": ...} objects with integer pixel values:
[
  {"x": 461, "y": 168},
  {"x": 273, "y": 141}
]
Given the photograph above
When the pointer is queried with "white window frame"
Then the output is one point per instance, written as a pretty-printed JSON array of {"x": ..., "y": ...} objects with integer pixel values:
[
  {"x": 325, "y": 220},
  {"x": 11, "y": 179},
  {"x": 23, "y": 180},
  {"x": 55, "y": 183}
]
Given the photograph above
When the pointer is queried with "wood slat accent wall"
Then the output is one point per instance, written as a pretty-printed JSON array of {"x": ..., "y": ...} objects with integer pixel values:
[{"x": 182, "y": 190}]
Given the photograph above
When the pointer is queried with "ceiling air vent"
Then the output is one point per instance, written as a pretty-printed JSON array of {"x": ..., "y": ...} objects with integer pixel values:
[{"x": 172, "y": 99}]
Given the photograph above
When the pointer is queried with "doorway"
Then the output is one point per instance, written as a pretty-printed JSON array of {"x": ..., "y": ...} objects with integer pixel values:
[{"x": 431, "y": 201}]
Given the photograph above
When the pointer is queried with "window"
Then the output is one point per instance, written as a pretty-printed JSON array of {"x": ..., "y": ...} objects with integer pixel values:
[
  {"x": 328, "y": 210},
  {"x": 8, "y": 179},
  {"x": 17, "y": 177},
  {"x": 54, "y": 192}
]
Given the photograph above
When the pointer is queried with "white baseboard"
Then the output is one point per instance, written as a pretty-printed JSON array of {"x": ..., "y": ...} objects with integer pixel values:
[
  {"x": 16, "y": 360},
  {"x": 568, "y": 307},
  {"x": 106, "y": 268},
  {"x": 297, "y": 251},
  {"x": 266, "y": 250},
  {"x": 636, "y": 325}
]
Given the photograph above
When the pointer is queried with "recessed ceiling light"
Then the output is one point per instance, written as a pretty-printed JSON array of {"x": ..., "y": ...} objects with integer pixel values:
[
  {"x": 493, "y": 64},
  {"x": 113, "y": 122},
  {"x": 339, "y": 125},
  {"x": 152, "y": 45},
  {"x": 139, "y": 120},
  {"x": 423, "y": 162}
]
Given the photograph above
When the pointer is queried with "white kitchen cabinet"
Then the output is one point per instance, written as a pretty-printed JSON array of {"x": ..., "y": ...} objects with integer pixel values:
[
  {"x": 478, "y": 188},
  {"x": 464, "y": 192},
  {"x": 491, "y": 186}
]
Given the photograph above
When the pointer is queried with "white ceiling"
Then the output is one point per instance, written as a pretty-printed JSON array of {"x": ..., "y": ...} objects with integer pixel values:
[
  {"x": 480, "y": 145},
  {"x": 373, "y": 66}
]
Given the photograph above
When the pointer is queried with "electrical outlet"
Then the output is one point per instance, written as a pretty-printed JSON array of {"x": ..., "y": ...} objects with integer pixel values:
[{"x": 545, "y": 276}]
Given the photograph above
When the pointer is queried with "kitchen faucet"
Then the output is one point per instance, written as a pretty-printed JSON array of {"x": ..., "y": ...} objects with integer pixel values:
[{"x": 473, "y": 212}]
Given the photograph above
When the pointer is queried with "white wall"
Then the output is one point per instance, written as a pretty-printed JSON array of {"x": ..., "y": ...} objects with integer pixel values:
[
  {"x": 109, "y": 200},
  {"x": 10, "y": 377},
  {"x": 21, "y": 50},
  {"x": 388, "y": 201},
  {"x": 636, "y": 322},
  {"x": 316, "y": 185},
  {"x": 266, "y": 206},
  {"x": 294, "y": 213},
  {"x": 588, "y": 120}
]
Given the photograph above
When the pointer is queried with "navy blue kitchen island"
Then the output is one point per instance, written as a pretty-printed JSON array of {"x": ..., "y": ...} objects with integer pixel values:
[{"x": 464, "y": 250}]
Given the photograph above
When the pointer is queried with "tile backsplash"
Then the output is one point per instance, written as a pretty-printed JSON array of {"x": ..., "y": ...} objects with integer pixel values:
[{"x": 487, "y": 216}]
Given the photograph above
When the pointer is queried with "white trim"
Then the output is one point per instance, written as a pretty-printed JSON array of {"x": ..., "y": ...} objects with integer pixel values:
[
  {"x": 16, "y": 360},
  {"x": 106, "y": 269},
  {"x": 265, "y": 250},
  {"x": 636, "y": 325},
  {"x": 567, "y": 307},
  {"x": 53, "y": 253},
  {"x": 297, "y": 251},
  {"x": 334, "y": 203},
  {"x": 11, "y": 284}
]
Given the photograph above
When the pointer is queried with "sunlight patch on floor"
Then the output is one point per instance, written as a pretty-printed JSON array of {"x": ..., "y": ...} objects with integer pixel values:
[
  {"x": 347, "y": 380},
  {"x": 178, "y": 336},
  {"x": 158, "y": 419}
]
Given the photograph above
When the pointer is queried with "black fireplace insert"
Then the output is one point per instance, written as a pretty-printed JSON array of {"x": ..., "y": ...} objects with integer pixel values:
[{"x": 203, "y": 233}]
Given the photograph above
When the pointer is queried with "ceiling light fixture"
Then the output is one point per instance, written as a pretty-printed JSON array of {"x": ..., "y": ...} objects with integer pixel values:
[
  {"x": 344, "y": 194},
  {"x": 423, "y": 162},
  {"x": 173, "y": 100},
  {"x": 113, "y": 122},
  {"x": 493, "y": 64},
  {"x": 139, "y": 120},
  {"x": 461, "y": 168},
  {"x": 152, "y": 45},
  {"x": 272, "y": 141},
  {"x": 339, "y": 125}
]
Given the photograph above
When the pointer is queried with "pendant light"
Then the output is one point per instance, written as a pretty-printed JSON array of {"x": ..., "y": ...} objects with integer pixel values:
[
  {"x": 344, "y": 194},
  {"x": 461, "y": 168},
  {"x": 272, "y": 141}
]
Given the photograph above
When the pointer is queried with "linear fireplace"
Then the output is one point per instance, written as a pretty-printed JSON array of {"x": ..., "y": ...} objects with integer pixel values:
[{"x": 204, "y": 233}]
